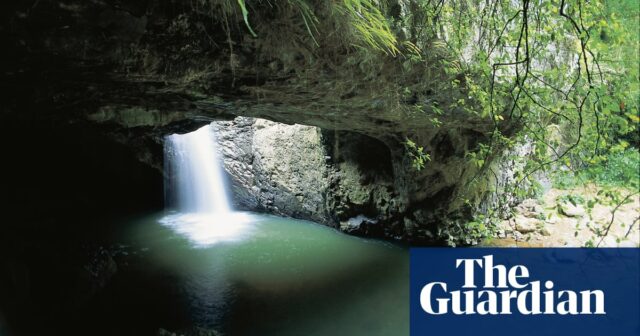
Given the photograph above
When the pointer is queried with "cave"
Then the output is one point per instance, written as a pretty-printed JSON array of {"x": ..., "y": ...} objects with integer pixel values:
[
  {"x": 98, "y": 189},
  {"x": 81, "y": 242},
  {"x": 219, "y": 167}
]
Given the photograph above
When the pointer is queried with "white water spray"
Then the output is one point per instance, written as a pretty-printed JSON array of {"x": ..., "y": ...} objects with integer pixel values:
[
  {"x": 195, "y": 188},
  {"x": 194, "y": 168}
]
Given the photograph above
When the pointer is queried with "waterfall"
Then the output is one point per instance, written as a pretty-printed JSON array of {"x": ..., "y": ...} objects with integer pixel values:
[
  {"x": 195, "y": 191},
  {"x": 195, "y": 180}
]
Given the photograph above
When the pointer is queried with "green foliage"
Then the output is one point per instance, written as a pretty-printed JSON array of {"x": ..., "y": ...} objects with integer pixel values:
[
  {"x": 418, "y": 157},
  {"x": 571, "y": 198},
  {"x": 589, "y": 243},
  {"x": 370, "y": 26},
  {"x": 618, "y": 169},
  {"x": 469, "y": 233},
  {"x": 308, "y": 17},
  {"x": 565, "y": 72},
  {"x": 565, "y": 63},
  {"x": 479, "y": 157},
  {"x": 611, "y": 197},
  {"x": 562, "y": 75},
  {"x": 245, "y": 14}
]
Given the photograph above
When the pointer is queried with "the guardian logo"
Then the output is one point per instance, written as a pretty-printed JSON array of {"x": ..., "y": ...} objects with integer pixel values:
[{"x": 504, "y": 292}]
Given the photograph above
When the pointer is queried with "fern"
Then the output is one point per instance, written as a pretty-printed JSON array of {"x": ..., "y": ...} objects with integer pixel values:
[
  {"x": 308, "y": 16},
  {"x": 364, "y": 16},
  {"x": 370, "y": 24}
]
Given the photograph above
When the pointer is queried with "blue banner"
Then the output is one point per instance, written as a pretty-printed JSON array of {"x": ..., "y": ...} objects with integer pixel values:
[{"x": 520, "y": 291}]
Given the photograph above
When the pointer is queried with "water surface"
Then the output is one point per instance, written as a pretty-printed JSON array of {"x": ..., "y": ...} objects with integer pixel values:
[{"x": 252, "y": 274}]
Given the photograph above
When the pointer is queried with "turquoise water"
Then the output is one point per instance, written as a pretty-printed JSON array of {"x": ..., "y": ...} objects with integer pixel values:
[{"x": 252, "y": 274}]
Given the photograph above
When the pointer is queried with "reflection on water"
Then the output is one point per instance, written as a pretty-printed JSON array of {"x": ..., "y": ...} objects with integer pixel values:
[
  {"x": 265, "y": 275},
  {"x": 206, "y": 229}
]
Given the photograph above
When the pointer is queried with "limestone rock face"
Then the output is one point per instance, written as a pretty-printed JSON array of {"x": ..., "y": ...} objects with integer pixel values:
[
  {"x": 299, "y": 171},
  {"x": 347, "y": 180},
  {"x": 274, "y": 167}
]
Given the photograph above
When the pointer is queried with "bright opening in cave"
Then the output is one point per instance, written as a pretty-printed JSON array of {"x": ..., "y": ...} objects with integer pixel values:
[
  {"x": 195, "y": 191},
  {"x": 195, "y": 181}
]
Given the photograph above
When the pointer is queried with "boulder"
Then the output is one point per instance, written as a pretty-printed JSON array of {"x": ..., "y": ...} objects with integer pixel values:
[
  {"x": 571, "y": 210},
  {"x": 525, "y": 224},
  {"x": 546, "y": 231},
  {"x": 529, "y": 208}
]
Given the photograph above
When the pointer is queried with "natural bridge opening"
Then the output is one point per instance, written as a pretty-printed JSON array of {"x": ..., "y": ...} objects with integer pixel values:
[
  {"x": 195, "y": 190},
  {"x": 195, "y": 180}
]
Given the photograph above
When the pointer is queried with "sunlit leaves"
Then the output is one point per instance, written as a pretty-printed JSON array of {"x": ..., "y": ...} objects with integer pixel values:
[
  {"x": 371, "y": 25},
  {"x": 417, "y": 154},
  {"x": 245, "y": 16}
]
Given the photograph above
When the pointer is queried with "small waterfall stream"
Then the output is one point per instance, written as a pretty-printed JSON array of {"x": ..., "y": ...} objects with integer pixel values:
[
  {"x": 195, "y": 181},
  {"x": 195, "y": 192}
]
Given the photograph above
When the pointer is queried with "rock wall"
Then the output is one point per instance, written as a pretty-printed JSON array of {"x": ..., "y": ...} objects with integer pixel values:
[
  {"x": 275, "y": 167},
  {"x": 347, "y": 180}
]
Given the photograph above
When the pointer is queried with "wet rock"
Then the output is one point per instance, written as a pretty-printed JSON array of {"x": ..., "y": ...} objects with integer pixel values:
[
  {"x": 355, "y": 224},
  {"x": 305, "y": 172},
  {"x": 275, "y": 167}
]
